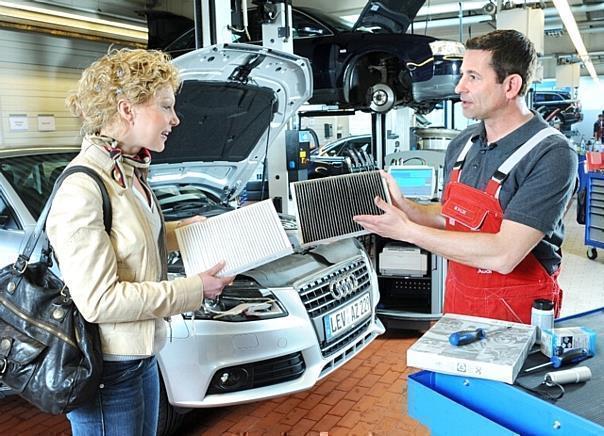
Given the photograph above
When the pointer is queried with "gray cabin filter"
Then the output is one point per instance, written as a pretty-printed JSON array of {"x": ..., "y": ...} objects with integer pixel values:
[{"x": 325, "y": 207}]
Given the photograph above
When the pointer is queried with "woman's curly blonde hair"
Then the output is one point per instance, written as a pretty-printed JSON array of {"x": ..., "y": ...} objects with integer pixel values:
[{"x": 135, "y": 74}]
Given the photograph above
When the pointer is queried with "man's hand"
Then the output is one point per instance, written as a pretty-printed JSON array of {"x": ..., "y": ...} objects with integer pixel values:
[
  {"x": 393, "y": 223},
  {"x": 213, "y": 285},
  {"x": 396, "y": 196}
]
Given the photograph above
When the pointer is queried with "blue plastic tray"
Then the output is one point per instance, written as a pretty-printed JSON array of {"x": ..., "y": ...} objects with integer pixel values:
[{"x": 451, "y": 405}]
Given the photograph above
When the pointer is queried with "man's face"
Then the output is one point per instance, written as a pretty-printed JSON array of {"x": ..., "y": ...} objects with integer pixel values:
[{"x": 481, "y": 96}]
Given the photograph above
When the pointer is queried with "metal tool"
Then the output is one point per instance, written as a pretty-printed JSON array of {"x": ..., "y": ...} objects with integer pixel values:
[
  {"x": 574, "y": 355},
  {"x": 465, "y": 337}
]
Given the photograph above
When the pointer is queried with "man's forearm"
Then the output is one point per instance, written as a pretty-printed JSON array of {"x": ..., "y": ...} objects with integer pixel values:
[
  {"x": 428, "y": 215},
  {"x": 499, "y": 252}
]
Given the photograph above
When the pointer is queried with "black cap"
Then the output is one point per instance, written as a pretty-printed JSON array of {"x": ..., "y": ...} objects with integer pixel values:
[{"x": 543, "y": 304}]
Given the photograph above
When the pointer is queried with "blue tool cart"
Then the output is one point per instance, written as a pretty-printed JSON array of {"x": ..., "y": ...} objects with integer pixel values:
[
  {"x": 454, "y": 405},
  {"x": 594, "y": 216}
]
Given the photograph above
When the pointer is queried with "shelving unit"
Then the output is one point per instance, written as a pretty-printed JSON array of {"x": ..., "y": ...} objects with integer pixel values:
[{"x": 410, "y": 301}]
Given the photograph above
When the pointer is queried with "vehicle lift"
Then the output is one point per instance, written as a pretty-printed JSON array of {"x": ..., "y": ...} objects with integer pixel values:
[{"x": 288, "y": 163}]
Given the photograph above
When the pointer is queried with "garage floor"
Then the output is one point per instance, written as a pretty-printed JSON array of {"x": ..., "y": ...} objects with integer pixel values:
[{"x": 365, "y": 396}]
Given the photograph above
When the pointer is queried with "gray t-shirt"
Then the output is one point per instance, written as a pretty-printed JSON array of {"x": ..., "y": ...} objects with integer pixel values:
[{"x": 537, "y": 190}]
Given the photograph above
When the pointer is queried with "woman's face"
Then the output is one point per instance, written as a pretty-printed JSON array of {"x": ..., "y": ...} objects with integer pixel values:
[{"x": 152, "y": 122}]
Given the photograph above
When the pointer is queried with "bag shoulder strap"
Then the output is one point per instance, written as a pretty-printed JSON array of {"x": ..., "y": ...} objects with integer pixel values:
[
  {"x": 33, "y": 238},
  {"x": 107, "y": 212}
]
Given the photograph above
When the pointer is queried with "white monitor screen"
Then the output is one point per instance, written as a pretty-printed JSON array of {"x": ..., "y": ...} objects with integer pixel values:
[{"x": 415, "y": 181}]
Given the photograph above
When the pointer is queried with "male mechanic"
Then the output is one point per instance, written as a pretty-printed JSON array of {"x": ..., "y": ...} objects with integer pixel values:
[{"x": 508, "y": 180}]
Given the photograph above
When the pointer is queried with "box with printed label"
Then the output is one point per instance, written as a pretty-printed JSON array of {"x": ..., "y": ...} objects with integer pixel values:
[
  {"x": 566, "y": 339},
  {"x": 498, "y": 356}
]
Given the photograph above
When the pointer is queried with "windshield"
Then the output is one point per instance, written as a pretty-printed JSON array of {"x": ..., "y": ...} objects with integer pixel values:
[{"x": 339, "y": 24}]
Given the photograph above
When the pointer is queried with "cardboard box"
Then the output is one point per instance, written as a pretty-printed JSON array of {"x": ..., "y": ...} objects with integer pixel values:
[
  {"x": 567, "y": 338},
  {"x": 497, "y": 357}
]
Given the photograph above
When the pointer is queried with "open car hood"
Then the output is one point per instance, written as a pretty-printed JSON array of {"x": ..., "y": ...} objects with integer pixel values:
[
  {"x": 234, "y": 101},
  {"x": 391, "y": 16}
]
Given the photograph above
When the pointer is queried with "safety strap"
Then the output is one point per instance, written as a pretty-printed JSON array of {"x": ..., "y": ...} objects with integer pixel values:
[{"x": 494, "y": 185}]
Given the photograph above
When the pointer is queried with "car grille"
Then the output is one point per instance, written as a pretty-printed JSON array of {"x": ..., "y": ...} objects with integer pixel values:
[
  {"x": 319, "y": 300},
  {"x": 258, "y": 374}
]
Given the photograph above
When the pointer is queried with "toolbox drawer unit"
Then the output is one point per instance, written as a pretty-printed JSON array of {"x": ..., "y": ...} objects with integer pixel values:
[{"x": 594, "y": 217}]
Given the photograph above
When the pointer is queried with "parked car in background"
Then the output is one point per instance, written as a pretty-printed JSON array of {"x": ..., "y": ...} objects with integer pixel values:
[
  {"x": 559, "y": 108},
  {"x": 287, "y": 344},
  {"x": 372, "y": 65},
  {"x": 345, "y": 155}
]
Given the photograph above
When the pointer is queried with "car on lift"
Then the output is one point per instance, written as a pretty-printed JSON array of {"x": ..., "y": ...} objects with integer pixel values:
[
  {"x": 226, "y": 127},
  {"x": 371, "y": 65},
  {"x": 558, "y": 107}
]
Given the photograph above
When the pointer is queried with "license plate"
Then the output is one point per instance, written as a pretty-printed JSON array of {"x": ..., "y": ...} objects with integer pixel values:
[{"x": 348, "y": 316}]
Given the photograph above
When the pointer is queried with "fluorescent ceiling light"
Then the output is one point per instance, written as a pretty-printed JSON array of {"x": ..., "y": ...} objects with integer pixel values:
[
  {"x": 573, "y": 31},
  {"x": 55, "y": 20}
]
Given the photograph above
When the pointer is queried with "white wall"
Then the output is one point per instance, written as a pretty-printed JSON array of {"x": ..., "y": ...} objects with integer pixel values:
[
  {"x": 592, "y": 102},
  {"x": 36, "y": 73}
]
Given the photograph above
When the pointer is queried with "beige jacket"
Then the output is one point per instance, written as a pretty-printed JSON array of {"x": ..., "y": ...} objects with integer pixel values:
[{"x": 114, "y": 280}]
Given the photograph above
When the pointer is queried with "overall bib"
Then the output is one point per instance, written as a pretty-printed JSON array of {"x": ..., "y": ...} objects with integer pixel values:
[{"x": 486, "y": 293}]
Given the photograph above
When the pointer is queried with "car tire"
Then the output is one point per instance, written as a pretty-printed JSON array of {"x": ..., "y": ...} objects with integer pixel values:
[
  {"x": 373, "y": 83},
  {"x": 170, "y": 418}
]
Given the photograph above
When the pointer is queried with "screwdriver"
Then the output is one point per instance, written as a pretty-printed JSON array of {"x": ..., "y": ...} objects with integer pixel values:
[
  {"x": 574, "y": 355},
  {"x": 465, "y": 337}
]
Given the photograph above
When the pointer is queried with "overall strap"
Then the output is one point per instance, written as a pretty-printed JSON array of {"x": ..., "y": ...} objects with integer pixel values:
[
  {"x": 456, "y": 171},
  {"x": 33, "y": 238},
  {"x": 494, "y": 185}
]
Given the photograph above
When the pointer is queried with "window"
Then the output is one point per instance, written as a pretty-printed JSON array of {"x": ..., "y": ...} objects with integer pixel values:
[
  {"x": 8, "y": 220},
  {"x": 33, "y": 177},
  {"x": 557, "y": 97},
  {"x": 305, "y": 27}
]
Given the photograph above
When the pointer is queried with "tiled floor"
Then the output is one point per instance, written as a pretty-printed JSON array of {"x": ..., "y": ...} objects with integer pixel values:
[
  {"x": 581, "y": 279},
  {"x": 366, "y": 396}
]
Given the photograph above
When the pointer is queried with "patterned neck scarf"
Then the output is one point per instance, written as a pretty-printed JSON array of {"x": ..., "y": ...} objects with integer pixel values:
[{"x": 140, "y": 161}]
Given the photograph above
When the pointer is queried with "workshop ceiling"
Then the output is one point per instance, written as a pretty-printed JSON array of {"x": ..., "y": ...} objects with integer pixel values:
[
  {"x": 478, "y": 18},
  {"x": 439, "y": 18}
]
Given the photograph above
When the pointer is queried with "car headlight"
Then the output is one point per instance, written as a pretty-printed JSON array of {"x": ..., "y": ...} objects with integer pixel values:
[
  {"x": 239, "y": 302},
  {"x": 447, "y": 48}
]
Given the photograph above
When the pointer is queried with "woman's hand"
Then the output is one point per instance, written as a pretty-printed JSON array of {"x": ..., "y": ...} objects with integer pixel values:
[
  {"x": 191, "y": 220},
  {"x": 172, "y": 243},
  {"x": 212, "y": 284}
]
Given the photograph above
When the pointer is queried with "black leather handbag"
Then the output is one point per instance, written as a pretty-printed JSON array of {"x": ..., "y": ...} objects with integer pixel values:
[{"x": 49, "y": 354}]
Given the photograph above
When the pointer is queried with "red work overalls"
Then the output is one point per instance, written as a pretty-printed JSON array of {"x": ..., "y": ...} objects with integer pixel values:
[{"x": 480, "y": 292}]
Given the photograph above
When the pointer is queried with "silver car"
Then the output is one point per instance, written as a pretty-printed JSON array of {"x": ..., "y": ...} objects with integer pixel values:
[{"x": 243, "y": 357}]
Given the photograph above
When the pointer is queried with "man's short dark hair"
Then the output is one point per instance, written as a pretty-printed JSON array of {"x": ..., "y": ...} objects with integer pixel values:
[{"x": 512, "y": 53}]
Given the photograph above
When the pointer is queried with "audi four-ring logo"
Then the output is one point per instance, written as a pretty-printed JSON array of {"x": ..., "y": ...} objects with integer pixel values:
[{"x": 343, "y": 286}]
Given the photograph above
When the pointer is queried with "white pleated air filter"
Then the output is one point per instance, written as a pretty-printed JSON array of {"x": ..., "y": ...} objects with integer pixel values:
[
  {"x": 325, "y": 207},
  {"x": 244, "y": 238}
]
